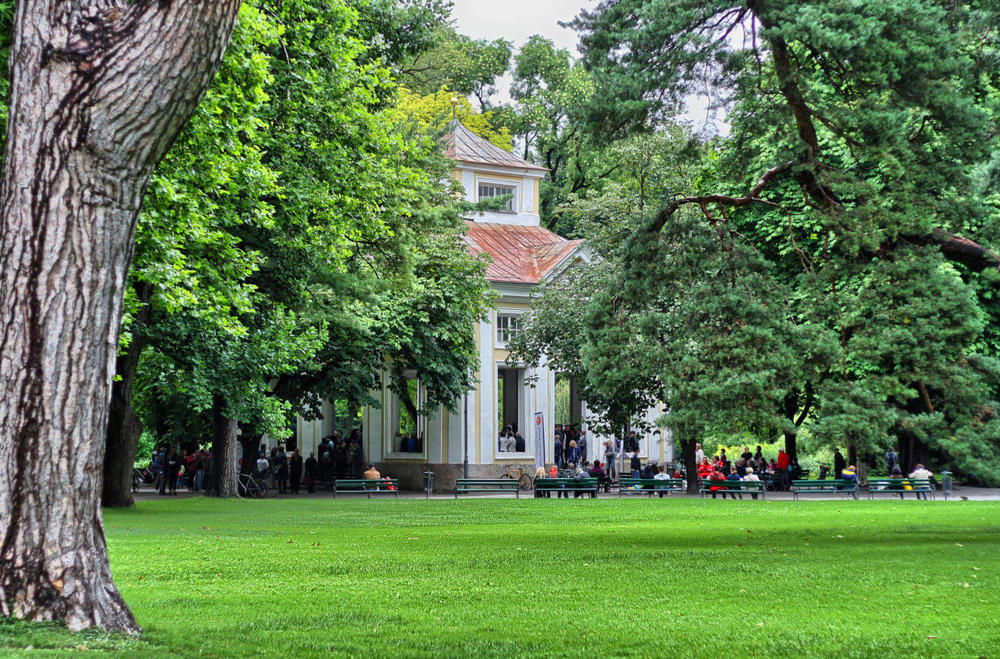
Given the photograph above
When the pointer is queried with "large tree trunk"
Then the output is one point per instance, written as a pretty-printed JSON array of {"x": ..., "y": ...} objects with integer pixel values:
[
  {"x": 223, "y": 451},
  {"x": 99, "y": 90},
  {"x": 124, "y": 427}
]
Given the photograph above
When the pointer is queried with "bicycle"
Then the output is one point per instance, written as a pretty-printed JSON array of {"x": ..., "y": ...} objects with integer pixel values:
[
  {"x": 140, "y": 476},
  {"x": 524, "y": 480},
  {"x": 250, "y": 487}
]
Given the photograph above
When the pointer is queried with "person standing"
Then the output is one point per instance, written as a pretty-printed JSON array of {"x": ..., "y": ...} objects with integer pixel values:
[
  {"x": 891, "y": 460},
  {"x": 280, "y": 463},
  {"x": 610, "y": 461},
  {"x": 295, "y": 470},
  {"x": 573, "y": 456},
  {"x": 173, "y": 469},
  {"x": 160, "y": 470},
  {"x": 839, "y": 463},
  {"x": 582, "y": 444},
  {"x": 781, "y": 470},
  {"x": 312, "y": 467},
  {"x": 558, "y": 448},
  {"x": 631, "y": 443},
  {"x": 699, "y": 454}
]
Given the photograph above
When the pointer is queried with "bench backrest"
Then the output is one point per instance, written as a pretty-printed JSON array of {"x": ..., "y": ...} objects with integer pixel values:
[
  {"x": 510, "y": 483},
  {"x": 662, "y": 483},
  {"x": 363, "y": 483},
  {"x": 899, "y": 483},
  {"x": 831, "y": 482},
  {"x": 734, "y": 485},
  {"x": 558, "y": 483}
]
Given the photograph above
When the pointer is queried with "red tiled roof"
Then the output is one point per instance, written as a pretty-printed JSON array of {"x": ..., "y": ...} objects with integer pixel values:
[
  {"x": 462, "y": 145},
  {"x": 521, "y": 254}
]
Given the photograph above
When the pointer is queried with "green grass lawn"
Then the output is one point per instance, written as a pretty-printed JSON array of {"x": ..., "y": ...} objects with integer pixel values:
[{"x": 680, "y": 577}]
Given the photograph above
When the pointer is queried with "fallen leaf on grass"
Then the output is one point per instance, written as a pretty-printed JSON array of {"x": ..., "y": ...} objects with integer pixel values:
[
  {"x": 931, "y": 638},
  {"x": 760, "y": 624}
]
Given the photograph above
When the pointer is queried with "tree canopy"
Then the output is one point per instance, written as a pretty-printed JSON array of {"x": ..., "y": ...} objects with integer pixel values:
[{"x": 830, "y": 262}]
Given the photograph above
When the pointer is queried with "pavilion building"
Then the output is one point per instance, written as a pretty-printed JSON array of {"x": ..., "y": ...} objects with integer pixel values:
[{"x": 523, "y": 255}]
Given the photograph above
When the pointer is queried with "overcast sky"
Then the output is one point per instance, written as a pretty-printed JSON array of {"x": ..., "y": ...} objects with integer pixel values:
[{"x": 516, "y": 20}]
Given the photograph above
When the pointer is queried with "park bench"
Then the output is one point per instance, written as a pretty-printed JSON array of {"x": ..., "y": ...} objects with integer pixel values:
[
  {"x": 833, "y": 486},
  {"x": 470, "y": 485},
  {"x": 733, "y": 487},
  {"x": 566, "y": 485},
  {"x": 900, "y": 486},
  {"x": 366, "y": 486},
  {"x": 650, "y": 486}
]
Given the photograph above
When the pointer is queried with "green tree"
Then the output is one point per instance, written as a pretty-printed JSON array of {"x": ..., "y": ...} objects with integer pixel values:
[
  {"x": 871, "y": 120},
  {"x": 469, "y": 67}
]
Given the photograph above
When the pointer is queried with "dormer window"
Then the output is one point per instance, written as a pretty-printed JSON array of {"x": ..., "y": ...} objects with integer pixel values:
[{"x": 493, "y": 190}]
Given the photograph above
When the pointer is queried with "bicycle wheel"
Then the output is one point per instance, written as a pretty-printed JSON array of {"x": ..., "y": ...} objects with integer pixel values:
[
  {"x": 136, "y": 481},
  {"x": 524, "y": 482}
]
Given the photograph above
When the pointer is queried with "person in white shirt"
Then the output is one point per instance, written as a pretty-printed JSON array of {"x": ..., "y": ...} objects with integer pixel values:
[
  {"x": 921, "y": 472},
  {"x": 699, "y": 454},
  {"x": 750, "y": 476}
]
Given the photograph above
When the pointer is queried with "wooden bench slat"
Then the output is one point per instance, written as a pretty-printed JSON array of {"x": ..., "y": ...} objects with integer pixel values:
[
  {"x": 900, "y": 486},
  {"x": 649, "y": 486},
  {"x": 830, "y": 486},
  {"x": 366, "y": 485},
  {"x": 468, "y": 485},
  {"x": 734, "y": 487}
]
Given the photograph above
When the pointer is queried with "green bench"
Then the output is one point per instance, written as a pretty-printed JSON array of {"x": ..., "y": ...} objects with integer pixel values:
[
  {"x": 900, "y": 486},
  {"x": 586, "y": 485},
  {"x": 471, "y": 485},
  {"x": 650, "y": 486},
  {"x": 732, "y": 488},
  {"x": 366, "y": 486},
  {"x": 832, "y": 486}
]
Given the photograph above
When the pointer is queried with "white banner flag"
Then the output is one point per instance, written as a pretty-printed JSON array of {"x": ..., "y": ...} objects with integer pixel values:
[{"x": 539, "y": 440}]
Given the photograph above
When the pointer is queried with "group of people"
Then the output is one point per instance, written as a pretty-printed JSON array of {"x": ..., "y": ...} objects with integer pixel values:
[
  {"x": 511, "y": 440},
  {"x": 338, "y": 458},
  {"x": 603, "y": 474},
  {"x": 570, "y": 445},
  {"x": 287, "y": 470},
  {"x": 173, "y": 468},
  {"x": 570, "y": 448}
]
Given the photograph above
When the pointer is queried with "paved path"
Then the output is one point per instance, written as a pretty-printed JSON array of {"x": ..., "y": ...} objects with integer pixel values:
[{"x": 961, "y": 493}]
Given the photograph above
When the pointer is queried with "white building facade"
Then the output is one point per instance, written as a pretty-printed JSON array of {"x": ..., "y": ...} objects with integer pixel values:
[{"x": 523, "y": 255}]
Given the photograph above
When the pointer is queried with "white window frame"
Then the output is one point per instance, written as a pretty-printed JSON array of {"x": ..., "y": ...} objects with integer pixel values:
[
  {"x": 513, "y": 186},
  {"x": 503, "y": 334}
]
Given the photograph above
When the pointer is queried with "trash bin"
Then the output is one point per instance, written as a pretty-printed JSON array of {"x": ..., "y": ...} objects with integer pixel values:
[
  {"x": 946, "y": 484},
  {"x": 428, "y": 483}
]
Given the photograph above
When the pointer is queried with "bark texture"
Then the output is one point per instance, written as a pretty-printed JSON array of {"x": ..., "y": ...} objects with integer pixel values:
[
  {"x": 223, "y": 451},
  {"x": 124, "y": 426},
  {"x": 99, "y": 90}
]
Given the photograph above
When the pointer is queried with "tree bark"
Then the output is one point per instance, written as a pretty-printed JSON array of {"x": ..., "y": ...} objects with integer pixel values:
[
  {"x": 223, "y": 451},
  {"x": 690, "y": 465},
  {"x": 99, "y": 90},
  {"x": 124, "y": 427}
]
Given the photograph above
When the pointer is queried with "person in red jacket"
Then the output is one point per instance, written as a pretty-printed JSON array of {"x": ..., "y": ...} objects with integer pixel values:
[
  {"x": 717, "y": 476},
  {"x": 782, "y": 471}
]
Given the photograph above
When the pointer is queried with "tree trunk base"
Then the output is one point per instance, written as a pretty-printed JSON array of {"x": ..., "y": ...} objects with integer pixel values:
[{"x": 75, "y": 588}]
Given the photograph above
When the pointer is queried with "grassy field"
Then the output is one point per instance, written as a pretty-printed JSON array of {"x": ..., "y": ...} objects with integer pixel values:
[{"x": 681, "y": 577}]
